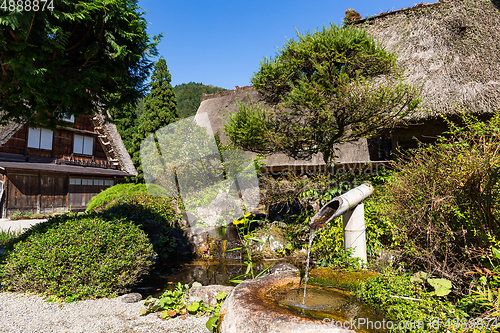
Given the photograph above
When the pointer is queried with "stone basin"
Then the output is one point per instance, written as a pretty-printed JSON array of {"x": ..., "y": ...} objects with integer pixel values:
[{"x": 262, "y": 305}]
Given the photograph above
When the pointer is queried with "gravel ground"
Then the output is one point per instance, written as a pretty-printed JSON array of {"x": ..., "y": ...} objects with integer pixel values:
[{"x": 30, "y": 314}]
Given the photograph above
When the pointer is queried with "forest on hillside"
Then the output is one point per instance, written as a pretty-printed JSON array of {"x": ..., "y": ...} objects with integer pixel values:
[{"x": 189, "y": 97}]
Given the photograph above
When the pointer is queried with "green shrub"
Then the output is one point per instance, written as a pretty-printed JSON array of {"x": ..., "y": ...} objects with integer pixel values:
[
  {"x": 76, "y": 257},
  {"x": 7, "y": 235},
  {"x": 141, "y": 204},
  {"x": 140, "y": 207},
  {"x": 119, "y": 191},
  {"x": 444, "y": 198},
  {"x": 402, "y": 300}
]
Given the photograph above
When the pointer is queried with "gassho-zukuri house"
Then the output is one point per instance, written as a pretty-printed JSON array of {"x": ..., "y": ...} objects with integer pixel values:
[
  {"x": 451, "y": 47},
  {"x": 44, "y": 171}
]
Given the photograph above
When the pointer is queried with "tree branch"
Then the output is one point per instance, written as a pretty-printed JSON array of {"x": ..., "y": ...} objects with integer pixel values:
[{"x": 31, "y": 26}]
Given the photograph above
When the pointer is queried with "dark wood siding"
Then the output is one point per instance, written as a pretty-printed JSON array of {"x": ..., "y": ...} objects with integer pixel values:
[
  {"x": 79, "y": 195},
  {"x": 84, "y": 123},
  {"x": 17, "y": 143},
  {"x": 34, "y": 192},
  {"x": 63, "y": 143},
  {"x": 53, "y": 192},
  {"x": 22, "y": 194}
]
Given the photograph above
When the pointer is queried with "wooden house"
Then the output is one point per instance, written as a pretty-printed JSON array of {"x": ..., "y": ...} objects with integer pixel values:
[
  {"x": 44, "y": 171},
  {"x": 452, "y": 49}
]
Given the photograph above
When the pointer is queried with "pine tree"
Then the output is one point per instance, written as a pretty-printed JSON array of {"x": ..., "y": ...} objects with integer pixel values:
[{"x": 160, "y": 109}]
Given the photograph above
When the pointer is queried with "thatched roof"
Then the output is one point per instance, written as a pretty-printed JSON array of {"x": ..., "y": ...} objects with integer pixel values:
[
  {"x": 113, "y": 145},
  {"x": 452, "y": 47},
  {"x": 7, "y": 131}
]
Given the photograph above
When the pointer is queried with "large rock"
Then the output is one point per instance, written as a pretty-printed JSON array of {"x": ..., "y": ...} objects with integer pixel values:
[
  {"x": 208, "y": 294},
  {"x": 131, "y": 298},
  {"x": 247, "y": 309},
  {"x": 197, "y": 242},
  {"x": 272, "y": 241},
  {"x": 189, "y": 241},
  {"x": 221, "y": 211}
]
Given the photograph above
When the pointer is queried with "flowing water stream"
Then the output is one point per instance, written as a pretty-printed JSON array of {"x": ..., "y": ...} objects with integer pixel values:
[{"x": 311, "y": 238}]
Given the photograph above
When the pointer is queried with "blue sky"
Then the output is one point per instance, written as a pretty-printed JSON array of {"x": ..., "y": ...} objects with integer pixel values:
[{"x": 222, "y": 42}]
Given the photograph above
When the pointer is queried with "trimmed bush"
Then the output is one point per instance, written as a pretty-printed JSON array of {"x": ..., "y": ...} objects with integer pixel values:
[
  {"x": 135, "y": 203},
  {"x": 154, "y": 215},
  {"x": 77, "y": 257},
  {"x": 114, "y": 193},
  {"x": 140, "y": 207}
]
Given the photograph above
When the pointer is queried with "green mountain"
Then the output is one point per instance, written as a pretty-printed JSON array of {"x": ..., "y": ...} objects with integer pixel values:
[{"x": 189, "y": 97}]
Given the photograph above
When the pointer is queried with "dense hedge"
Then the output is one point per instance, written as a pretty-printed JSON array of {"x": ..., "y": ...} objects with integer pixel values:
[
  {"x": 136, "y": 202},
  {"x": 144, "y": 205},
  {"x": 76, "y": 257},
  {"x": 119, "y": 191}
]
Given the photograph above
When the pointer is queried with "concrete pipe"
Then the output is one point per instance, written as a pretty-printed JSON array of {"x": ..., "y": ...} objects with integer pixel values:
[
  {"x": 340, "y": 205},
  {"x": 350, "y": 206}
]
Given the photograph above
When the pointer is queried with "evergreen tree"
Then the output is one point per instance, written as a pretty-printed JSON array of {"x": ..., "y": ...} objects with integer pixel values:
[
  {"x": 72, "y": 60},
  {"x": 160, "y": 109},
  {"x": 125, "y": 120}
]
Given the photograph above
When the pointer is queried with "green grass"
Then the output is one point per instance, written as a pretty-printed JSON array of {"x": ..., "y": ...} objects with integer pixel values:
[{"x": 7, "y": 235}]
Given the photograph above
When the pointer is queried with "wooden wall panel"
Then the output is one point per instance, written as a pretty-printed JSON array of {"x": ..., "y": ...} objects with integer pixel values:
[
  {"x": 84, "y": 123},
  {"x": 63, "y": 143},
  {"x": 53, "y": 190},
  {"x": 22, "y": 192},
  {"x": 98, "y": 150},
  {"x": 17, "y": 143}
]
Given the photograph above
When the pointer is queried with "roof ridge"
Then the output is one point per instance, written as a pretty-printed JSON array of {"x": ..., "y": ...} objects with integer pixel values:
[
  {"x": 391, "y": 12},
  {"x": 238, "y": 89}
]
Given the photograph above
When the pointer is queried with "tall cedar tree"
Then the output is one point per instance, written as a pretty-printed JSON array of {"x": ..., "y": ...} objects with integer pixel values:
[
  {"x": 327, "y": 87},
  {"x": 76, "y": 57},
  {"x": 160, "y": 109}
]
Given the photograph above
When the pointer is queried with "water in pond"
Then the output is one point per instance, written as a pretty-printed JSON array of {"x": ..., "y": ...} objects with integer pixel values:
[
  {"x": 166, "y": 275},
  {"x": 311, "y": 238},
  {"x": 322, "y": 302}
]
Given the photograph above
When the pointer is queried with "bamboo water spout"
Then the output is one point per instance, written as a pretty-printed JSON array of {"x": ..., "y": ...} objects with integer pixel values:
[{"x": 350, "y": 206}]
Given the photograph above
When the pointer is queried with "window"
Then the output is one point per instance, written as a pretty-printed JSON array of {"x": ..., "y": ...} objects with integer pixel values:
[
  {"x": 98, "y": 182},
  {"x": 40, "y": 138},
  {"x": 83, "y": 144}
]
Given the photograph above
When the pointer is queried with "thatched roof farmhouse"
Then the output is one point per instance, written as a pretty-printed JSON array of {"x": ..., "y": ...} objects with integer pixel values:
[{"x": 451, "y": 47}]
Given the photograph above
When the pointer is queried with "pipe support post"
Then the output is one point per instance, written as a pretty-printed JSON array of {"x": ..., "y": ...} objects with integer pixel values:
[{"x": 355, "y": 232}]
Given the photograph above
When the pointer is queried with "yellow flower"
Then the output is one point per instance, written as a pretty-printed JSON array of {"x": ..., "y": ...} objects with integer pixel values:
[{"x": 240, "y": 221}]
